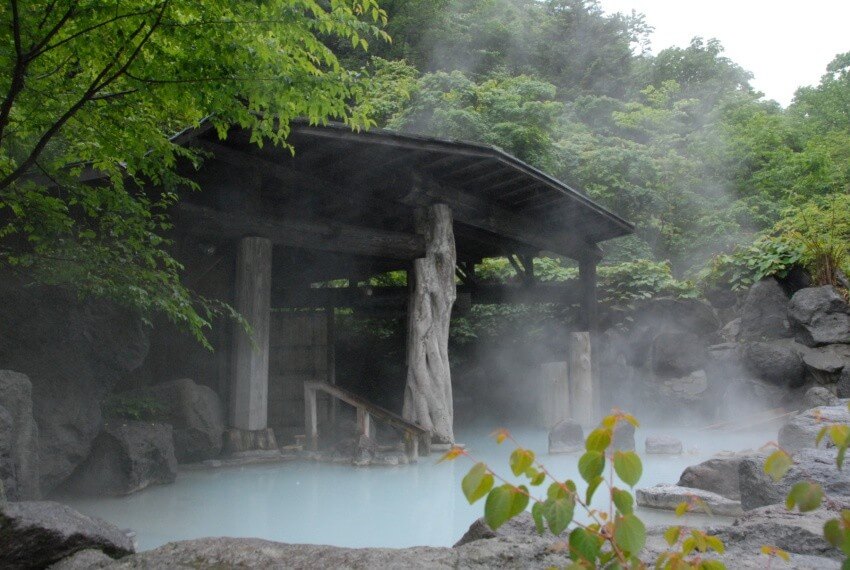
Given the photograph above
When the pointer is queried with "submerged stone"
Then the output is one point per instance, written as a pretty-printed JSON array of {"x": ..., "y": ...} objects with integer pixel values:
[{"x": 566, "y": 437}]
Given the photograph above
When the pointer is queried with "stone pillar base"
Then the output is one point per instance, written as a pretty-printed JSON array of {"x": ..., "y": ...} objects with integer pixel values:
[{"x": 238, "y": 440}]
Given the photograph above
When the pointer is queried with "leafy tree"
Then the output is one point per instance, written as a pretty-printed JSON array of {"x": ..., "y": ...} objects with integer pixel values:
[{"x": 92, "y": 91}]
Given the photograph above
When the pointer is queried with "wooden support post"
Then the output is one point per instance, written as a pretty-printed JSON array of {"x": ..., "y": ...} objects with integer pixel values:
[
  {"x": 428, "y": 393},
  {"x": 364, "y": 422},
  {"x": 590, "y": 320},
  {"x": 582, "y": 397},
  {"x": 250, "y": 380},
  {"x": 311, "y": 418},
  {"x": 330, "y": 348},
  {"x": 554, "y": 394}
]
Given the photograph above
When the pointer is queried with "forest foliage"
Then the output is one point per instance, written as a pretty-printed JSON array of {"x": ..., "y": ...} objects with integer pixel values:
[{"x": 677, "y": 141}]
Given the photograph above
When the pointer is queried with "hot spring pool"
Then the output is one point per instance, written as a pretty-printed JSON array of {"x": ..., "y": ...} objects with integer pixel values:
[{"x": 340, "y": 505}]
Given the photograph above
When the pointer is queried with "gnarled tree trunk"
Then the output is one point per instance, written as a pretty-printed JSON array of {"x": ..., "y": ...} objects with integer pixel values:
[{"x": 428, "y": 395}]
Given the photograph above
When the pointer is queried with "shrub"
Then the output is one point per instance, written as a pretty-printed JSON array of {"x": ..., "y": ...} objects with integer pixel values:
[
  {"x": 768, "y": 256},
  {"x": 612, "y": 538}
]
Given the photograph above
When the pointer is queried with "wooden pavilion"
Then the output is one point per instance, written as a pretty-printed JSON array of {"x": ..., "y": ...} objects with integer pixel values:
[{"x": 269, "y": 225}]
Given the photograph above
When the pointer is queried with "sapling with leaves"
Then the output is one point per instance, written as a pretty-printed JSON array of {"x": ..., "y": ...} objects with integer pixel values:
[
  {"x": 611, "y": 537},
  {"x": 807, "y": 496}
]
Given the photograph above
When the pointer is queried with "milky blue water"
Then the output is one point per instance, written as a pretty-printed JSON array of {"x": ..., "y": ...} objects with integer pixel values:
[{"x": 341, "y": 505}]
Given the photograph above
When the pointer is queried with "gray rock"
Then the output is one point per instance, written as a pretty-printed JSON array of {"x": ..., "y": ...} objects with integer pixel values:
[
  {"x": 663, "y": 445},
  {"x": 624, "y": 437},
  {"x": 88, "y": 558},
  {"x": 820, "y": 315},
  {"x": 35, "y": 534},
  {"x": 776, "y": 362},
  {"x": 668, "y": 497},
  {"x": 8, "y": 480},
  {"x": 16, "y": 398},
  {"x": 684, "y": 389},
  {"x": 125, "y": 458},
  {"x": 74, "y": 352},
  {"x": 566, "y": 437},
  {"x": 842, "y": 387},
  {"x": 197, "y": 416},
  {"x": 718, "y": 475},
  {"x": 802, "y": 430},
  {"x": 731, "y": 331},
  {"x": 792, "y": 531},
  {"x": 817, "y": 466},
  {"x": 521, "y": 525},
  {"x": 825, "y": 364},
  {"x": 676, "y": 354},
  {"x": 819, "y": 396},
  {"x": 764, "y": 313}
]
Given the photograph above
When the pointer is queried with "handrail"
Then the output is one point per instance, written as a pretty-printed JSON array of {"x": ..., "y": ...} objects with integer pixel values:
[{"x": 365, "y": 411}]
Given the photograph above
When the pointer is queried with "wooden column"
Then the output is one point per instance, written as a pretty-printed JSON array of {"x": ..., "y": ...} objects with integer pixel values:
[
  {"x": 587, "y": 283},
  {"x": 582, "y": 390},
  {"x": 586, "y": 349},
  {"x": 250, "y": 381},
  {"x": 428, "y": 394}
]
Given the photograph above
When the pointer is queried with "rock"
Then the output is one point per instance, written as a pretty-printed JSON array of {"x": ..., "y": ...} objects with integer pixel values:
[
  {"x": 16, "y": 398},
  {"x": 801, "y": 431},
  {"x": 521, "y": 525},
  {"x": 663, "y": 445},
  {"x": 8, "y": 479},
  {"x": 776, "y": 362},
  {"x": 677, "y": 354},
  {"x": 718, "y": 475},
  {"x": 197, "y": 416},
  {"x": 792, "y": 531},
  {"x": 125, "y": 458},
  {"x": 817, "y": 466},
  {"x": 820, "y": 315},
  {"x": 819, "y": 396},
  {"x": 842, "y": 387},
  {"x": 365, "y": 450},
  {"x": 74, "y": 352},
  {"x": 731, "y": 330},
  {"x": 624, "y": 437},
  {"x": 87, "y": 559},
  {"x": 668, "y": 497},
  {"x": 825, "y": 364},
  {"x": 685, "y": 389},
  {"x": 240, "y": 440},
  {"x": 764, "y": 313},
  {"x": 566, "y": 437},
  {"x": 34, "y": 534}
]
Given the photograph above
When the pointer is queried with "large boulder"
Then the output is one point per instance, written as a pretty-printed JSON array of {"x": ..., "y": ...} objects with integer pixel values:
[
  {"x": 624, "y": 437},
  {"x": 801, "y": 431},
  {"x": 824, "y": 364},
  {"x": 668, "y": 497},
  {"x": 684, "y": 389},
  {"x": 125, "y": 458},
  {"x": 566, "y": 436},
  {"x": 817, "y": 466},
  {"x": 718, "y": 475},
  {"x": 74, "y": 352},
  {"x": 819, "y": 316},
  {"x": 819, "y": 396},
  {"x": 35, "y": 534},
  {"x": 663, "y": 445},
  {"x": 8, "y": 479},
  {"x": 521, "y": 525},
  {"x": 764, "y": 313},
  {"x": 197, "y": 416},
  {"x": 677, "y": 354},
  {"x": 776, "y": 362},
  {"x": 16, "y": 398},
  {"x": 842, "y": 387}
]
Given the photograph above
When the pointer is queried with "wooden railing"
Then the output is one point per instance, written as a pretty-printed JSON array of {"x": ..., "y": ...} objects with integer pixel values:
[{"x": 366, "y": 410}]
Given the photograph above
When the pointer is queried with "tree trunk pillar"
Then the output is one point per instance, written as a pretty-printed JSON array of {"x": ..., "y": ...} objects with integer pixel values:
[
  {"x": 250, "y": 383},
  {"x": 588, "y": 283},
  {"x": 428, "y": 394}
]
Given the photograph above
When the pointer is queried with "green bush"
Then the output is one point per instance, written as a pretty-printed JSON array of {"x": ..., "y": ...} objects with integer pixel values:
[
  {"x": 768, "y": 256},
  {"x": 133, "y": 407}
]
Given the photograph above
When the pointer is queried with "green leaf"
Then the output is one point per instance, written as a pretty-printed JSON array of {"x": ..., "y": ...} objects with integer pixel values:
[
  {"x": 559, "y": 514},
  {"x": 537, "y": 511},
  {"x": 805, "y": 496},
  {"x": 584, "y": 544},
  {"x": 591, "y": 489},
  {"x": 777, "y": 464},
  {"x": 556, "y": 491},
  {"x": 628, "y": 466},
  {"x": 591, "y": 465},
  {"x": 521, "y": 459},
  {"x": 598, "y": 440},
  {"x": 672, "y": 534},
  {"x": 629, "y": 533},
  {"x": 711, "y": 565},
  {"x": 623, "y": 500},
  {"x": 504, "y": 503},
  {"x": 477, "y": 483},
  {"x": 833, "y": 533}
]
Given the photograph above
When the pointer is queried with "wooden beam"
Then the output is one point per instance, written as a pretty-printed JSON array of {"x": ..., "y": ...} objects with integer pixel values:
[{"x": 300, "y": 233}]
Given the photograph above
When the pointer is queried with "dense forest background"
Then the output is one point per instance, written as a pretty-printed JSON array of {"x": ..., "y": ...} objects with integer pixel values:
[{"x": 677, "y": 142}]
